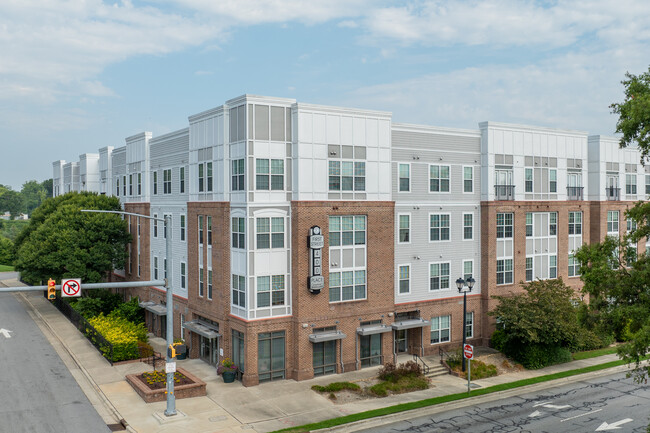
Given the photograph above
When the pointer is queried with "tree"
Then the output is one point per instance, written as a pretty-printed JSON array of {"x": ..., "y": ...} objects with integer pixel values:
[
  {"x": 634, "y": 113},
  {"x": 6, "y": 251},
  {"x": 538, "y": 326},
  {"x": 33, "y": 195},
  {"x": 62, "y": 242},
  {"x": 48, "y": 187},
  {"x": 10, "y": 201}
]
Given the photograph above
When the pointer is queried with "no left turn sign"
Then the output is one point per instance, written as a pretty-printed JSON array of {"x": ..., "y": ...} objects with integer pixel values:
[{"x": 70, "y": 288}]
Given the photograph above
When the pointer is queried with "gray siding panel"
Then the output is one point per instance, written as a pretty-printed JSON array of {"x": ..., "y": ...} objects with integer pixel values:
[{"x": 435, "y": 141}]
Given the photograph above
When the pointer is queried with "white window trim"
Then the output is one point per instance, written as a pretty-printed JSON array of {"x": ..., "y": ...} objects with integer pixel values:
[
  {"x": 463, "y": 179},
  {"x": 181, "y": 274},
  {"x": 398, "y": 279},
  {"x": 450, "y": 330},
  {"x": 399, "y": 191},
  {"x": 429, "y": 227},
  {"x": 429, "y": 290},
  {"x": 463, "y": 226},
  {"x": 473, "y": 319},
  {"x": 184, "y": 216},
  {"x": 429, "y": 179},
  {"x": 410, "y": 228},
  {"x": 463, "y": 270},
  {"x": 504, "y": 271}
]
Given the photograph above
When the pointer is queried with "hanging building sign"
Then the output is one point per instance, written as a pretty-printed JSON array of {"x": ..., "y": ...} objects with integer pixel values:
[{"x": 316, "y": 244}]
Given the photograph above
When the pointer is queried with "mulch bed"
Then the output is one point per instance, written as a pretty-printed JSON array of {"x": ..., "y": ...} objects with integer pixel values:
[{"x": 158, "y": 379}]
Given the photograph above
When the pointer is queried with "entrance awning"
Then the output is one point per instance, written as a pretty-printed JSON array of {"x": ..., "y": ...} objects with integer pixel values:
[
  {"x": 321, "y": 337},
  {"x": 201, "y": 329},
  {"x": 157, "y": 309},
  {"x": 373, "y": 329},
  {"x": 410, "y": 323}
]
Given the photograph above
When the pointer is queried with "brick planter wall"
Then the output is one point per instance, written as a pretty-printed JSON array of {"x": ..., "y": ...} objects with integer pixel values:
[{"x": 196, "y": 389}]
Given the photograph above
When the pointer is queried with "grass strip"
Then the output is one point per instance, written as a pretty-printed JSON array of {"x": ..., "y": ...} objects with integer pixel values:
[
  {"x": 446, "y": 398},
  {"x": 593, "y": 353},
  {"x": 6, "y": 268}
]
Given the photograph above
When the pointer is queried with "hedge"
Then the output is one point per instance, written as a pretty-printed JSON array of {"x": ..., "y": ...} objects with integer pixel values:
[{"x": 122, "y": 334}]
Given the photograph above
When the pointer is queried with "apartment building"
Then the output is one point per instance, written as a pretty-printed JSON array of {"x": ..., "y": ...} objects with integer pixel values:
[{"x": 311, "y": 240}]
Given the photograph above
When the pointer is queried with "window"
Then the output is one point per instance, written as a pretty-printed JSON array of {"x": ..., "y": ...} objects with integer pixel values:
[
  {"x": 575, "y": 223},
  {"x": 165, "y": 225},
  {"x": 612, "y": 222},
  {"x": 504, "y": 225},
  {"x": 439, "y": 227},
  {"x": 237, "y": 175},
  {"x": 270, "y": 232},
  {"x": 130, "y": 184},
  {"x": 347, "y": 176},
  {"x": 239, "y": 290},
  {"x": 529, "y": 180},
  {"x": 630, "y": 184},
  {"x": 201, "y": 178},
  {"x": 182, "y": 227},
  {"x": 270, "y": 356},
  {"x": 155, "y": 225},
  {"x": 347, "y": 230},
  {"x": 404, "y": 279},
  {"x": 208, "y": 169},
  {"x": 370, "y": 349},
  {"x": 469, "y": 325},
  {"x": 118, "y": 186},
  {"x": 404, "y": 177},
  {"x": 238, "y": 231},
  {"x": 324, "y": 357},
  {"x": 270, "y": 291},
  {"x": 647, "y": 184},
  {"x": 574, "y": 266},
  {"x": 155, "y": 182},
  {"x": 165, "y": 267},
  {"x": 209, "y": 227},
  {"x": 201, "y": 281},
  {"x": 124, "y": 185},
  {"x": 552, "y": 267},
  {"x": 347, "y": 286},
  {"x": 440, "y": 329},
  {"x": 155, "y": 268},
  {"x": 504, "y": 271},
  {"x": 468, "y": 226},
  {"x": 439, "y": 276},
  {"x": 529, "y": 224},
  {"x": 209, "y": 283},
  {"x": 439, "y": 178},
  {"x": 167, "y": 181},
  {"x": 468, "y": 269},
  {"x": 181, "y": 180},
  {"x": 631, "y": 225},
  {"x": 139, "y": 183},
  {"x": 405, "y": 229},
  {"x": 200, "y": 229},
  {"x": 529, "y": 269},
  {"x": 552, "y": 224},
  {"x": 269, "y": 174},
  {"x": 552, "y": 180},
  {"x": 183, "y": 275},
  {"x": 468, "y": 179}
]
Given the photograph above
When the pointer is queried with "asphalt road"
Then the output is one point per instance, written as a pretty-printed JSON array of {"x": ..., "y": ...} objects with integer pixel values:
[
  {"x": 37, "y": 392},
  {"x": 607, "y": 403}
]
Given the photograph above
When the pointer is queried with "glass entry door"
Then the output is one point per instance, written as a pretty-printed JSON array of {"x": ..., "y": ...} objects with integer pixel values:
[
  {"x": 370, "y": 350},
  {"x": 401, "y": 345},
  {"x": 208, "y": 350},
  {"x": 238, "y": 352}
]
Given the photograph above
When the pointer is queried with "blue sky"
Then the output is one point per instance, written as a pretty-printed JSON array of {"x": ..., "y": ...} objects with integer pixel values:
[{"x": 77, "y": 75}]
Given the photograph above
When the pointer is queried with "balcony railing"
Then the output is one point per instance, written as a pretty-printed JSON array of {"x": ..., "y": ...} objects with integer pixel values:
[
  {"x": 504, "y": 192},
  {"x": 574, "y": 192},
  {"x": 613, "y": 193}
]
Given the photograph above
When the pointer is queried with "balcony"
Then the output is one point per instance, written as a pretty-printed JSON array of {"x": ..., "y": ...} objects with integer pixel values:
[
  {"x": 613, "y": 193},
  {"x": 504, "y": 192},
  {"x": 574, "y": 192}
]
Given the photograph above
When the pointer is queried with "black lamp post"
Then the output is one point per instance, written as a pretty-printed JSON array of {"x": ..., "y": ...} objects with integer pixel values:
[{"x": 460, "y": 283}]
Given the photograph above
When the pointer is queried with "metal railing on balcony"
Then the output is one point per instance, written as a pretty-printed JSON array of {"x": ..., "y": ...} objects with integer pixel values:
[
  {"x": 613, "y": 193},
  {"x": 574, "y": 192},
  {"x": 504, "y": 192}
]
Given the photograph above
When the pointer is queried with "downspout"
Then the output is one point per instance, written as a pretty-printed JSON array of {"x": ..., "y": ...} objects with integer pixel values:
[
  {"x": 356, "y": 349},
  {"x": 341, "y": 355}
]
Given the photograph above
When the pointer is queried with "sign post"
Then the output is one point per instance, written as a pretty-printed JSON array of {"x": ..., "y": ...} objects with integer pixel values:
[{"x": 468, "y": 353}]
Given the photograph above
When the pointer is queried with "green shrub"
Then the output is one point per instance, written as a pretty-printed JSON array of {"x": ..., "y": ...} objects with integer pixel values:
[
  {"x": 392, "y": 372},
  {"x": 481, "y": 370},
  {"x": 498, "y": 340},
  {"x": 131, "y": 311},
  {"x": 122, "y": 334},
  {"x": 537, "y": 356},
  {"x": 403, "y": 384},
  {"x": 96, "y": 302},
  {"x": 587, "y": 340},
  {"x": 337, "y": 386}
]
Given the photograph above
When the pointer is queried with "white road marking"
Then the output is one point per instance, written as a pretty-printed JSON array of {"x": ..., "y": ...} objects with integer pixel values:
[
  {"x": 552, "y": 406},
  {"x": 582, "y": 414},
  {"x": 539, "y": 404},
  {"x": 536, "y": 413},
  {"x": 5, "y": 332},
  {"x": 613, "y": 426}
]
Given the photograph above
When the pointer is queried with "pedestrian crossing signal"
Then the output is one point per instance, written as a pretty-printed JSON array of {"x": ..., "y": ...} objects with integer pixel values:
[{"x": 51, "y": 289}]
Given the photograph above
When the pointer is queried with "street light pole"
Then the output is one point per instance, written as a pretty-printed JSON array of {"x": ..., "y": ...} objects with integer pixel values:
[
  {"x": 171, "y": 397},
  {"x": 460, "y": 284}
]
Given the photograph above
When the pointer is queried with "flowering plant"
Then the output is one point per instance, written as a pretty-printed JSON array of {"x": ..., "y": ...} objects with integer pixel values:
[{"x": 226, "y": 365}]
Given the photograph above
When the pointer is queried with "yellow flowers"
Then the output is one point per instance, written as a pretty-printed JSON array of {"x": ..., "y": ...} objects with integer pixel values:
[{"x": 121, "y": 333}]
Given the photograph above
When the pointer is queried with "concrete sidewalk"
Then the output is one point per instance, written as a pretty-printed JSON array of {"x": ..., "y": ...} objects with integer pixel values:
[{"x": 227, "y": 407}]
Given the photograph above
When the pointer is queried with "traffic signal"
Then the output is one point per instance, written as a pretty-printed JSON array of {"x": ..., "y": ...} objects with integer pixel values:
[
  {"x": 171, "y": 352},
  {"x": 51, "y": 289}
]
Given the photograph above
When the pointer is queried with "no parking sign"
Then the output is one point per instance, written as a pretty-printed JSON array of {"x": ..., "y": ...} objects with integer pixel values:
[{"x": 71, "y": 288}]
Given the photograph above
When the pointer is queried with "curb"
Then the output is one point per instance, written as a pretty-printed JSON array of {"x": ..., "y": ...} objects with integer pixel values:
[
  {"x": 105, "y": 401},
  {"x": 370, "y": 423}
]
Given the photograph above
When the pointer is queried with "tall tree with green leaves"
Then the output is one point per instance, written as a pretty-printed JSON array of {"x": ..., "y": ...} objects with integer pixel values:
[
  {"x": 62, "y": 242},
  {"x": 634, "y": 112},
  {"x": 33, "y": 193}
]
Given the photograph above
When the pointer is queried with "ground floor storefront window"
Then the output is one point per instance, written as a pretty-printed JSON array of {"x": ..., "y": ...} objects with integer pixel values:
[
  {"x": 370, "y": 350},
  {"x": 238, "y": 356},
  {"x": 270, "y": 356},
  {"x": 324, "y": 358}
]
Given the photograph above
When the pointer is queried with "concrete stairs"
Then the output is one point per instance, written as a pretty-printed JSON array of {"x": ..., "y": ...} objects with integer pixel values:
[{"x": 436, "y": 370}]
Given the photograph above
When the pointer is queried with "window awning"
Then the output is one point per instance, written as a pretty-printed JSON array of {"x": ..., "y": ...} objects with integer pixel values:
[
  {"x": 157, "y": 309},
  {"x": 410, "y": 323},
  {"x": 373, "y": 329},
  {"x": 201, "y": 329},
  {"x": 326, "y": 336}
]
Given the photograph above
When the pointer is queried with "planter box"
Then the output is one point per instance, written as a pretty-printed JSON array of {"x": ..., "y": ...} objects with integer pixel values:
[{"x": 196, "y": 389}]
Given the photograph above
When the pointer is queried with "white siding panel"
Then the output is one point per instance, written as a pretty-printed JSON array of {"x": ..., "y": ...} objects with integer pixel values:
[
  {"x": 333, "y": 129},
  {"x": 346, "y": 130},
  {"x": 319, "y": 129}
]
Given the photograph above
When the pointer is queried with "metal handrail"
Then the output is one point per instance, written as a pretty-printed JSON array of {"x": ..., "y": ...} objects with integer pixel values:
[{"x": 425, "y": 366}]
